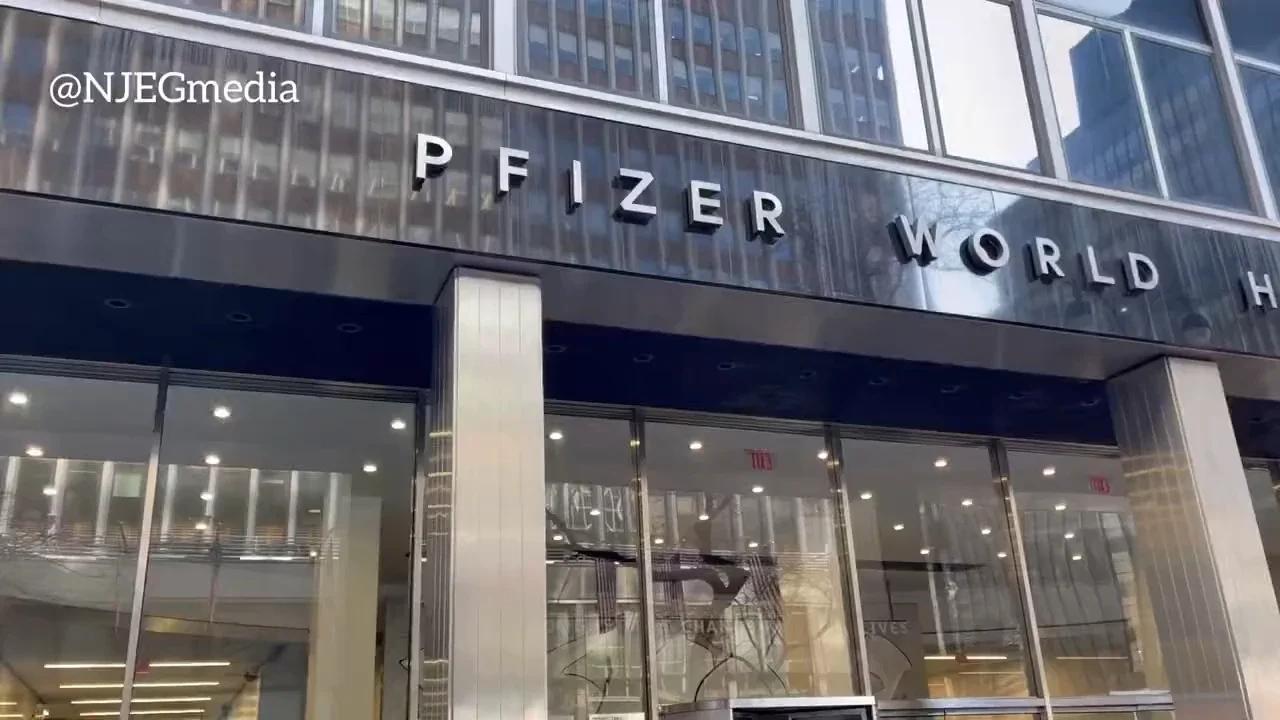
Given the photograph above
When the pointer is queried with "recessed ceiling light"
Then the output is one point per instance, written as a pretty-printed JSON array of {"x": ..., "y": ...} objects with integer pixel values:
[
  {"x": 212, "y": 459},
  {"x": 704, "y": 517},
  {"x": 556, "y": 435},
  {"x": 753, "y": 544},
  {"x": 941, "y": 462},
  {"x": 83, "y": 666},
  {"x": 17, "y": 397},
  {"x": 50, "y": 490},
  {"x": 659, "y": 541},
  {"x": 370, "y": 467},
  {"x": 967, "y": 502},
  {"x": 695, "y": 445},
  {"x": 1069, "y": 536},
  {"x": 925, "y": 551},
  {"x": 206, "y": 496},
  {"x": 757, "y": 489},
  {"x": 557, "y": 538},
  {"x": 398, "y": 424},
  {"x": 222, "y": 412},
  {"x": 551, "y": 562},
  {"x": 313, "y": 553},
  {"x": 899, "y": 527},
  {"x": 866, "y": 495},
  {"x": 1002, "y": 555},
  {"x": 202, "y": 526},
  {"x": 190, "y": 663},
  {"x": 986, "y": 531},
  {"x": 1060, "y": 507},
  {"x": 1049, "y": 471},
  {"x": 314, "y": 511},
  {"x": 823, "y": 455},
  {"x": 595, "y": 512},
  {"x": 1077, "y": 558},
  {"x": 35, "y": 451}
]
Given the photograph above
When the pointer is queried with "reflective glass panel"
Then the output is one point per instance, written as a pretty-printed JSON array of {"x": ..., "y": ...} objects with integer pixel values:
[
  {"x": 938, "y": 581},
  {"x": 1191, "y": 125},
  {"x": 1263, "y": 92},
  {"x": 1172, "y": 17},
  {"x": 595, "y": 662},
  {"x": 280, "y": 12},
  {"x": 1264, "y": 488},
  {"x": 1150, "y": 715},
  {"x": 746, "y": 578},
  {"x": 936, "y": 573},
  {"x": 1097, "y": 630},
  {"x": 450, "y": 29},
  {"x": 1097, "y": 106},
  {"x": 867, "y": 74},
  {"x": 981, "y": 93},
  {"x": 606, "y": 44},
  {"x": 730, "y": 56},
  {"x": 1254, "y": 27},
  {"x": 75, "y": 456},
  {"x": 279, "y": 576}
]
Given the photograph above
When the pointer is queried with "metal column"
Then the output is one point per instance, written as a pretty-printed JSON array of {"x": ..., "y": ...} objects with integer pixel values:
[{"x": 1198, "y": 541}]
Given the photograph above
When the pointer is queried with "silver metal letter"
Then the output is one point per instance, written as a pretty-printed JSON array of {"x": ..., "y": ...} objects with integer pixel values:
[
  {"x": 1253, "y": 290},
  {"x": 1045, "y": 259},
  {"x": 704, "y": 203},
  {"x": 575, "y": 186},
  {"x": 916, "y": 241},
  {"x": 431, "y": 156},
  {"x": 1091, "y": 271},
  {"x": 1140, "y": 273},
  {"x": 511, "y": 166},
  {"x": 631, "y": 208},
  {"x": 987, "y": 250},
  {"x": 766, "y": 208}
]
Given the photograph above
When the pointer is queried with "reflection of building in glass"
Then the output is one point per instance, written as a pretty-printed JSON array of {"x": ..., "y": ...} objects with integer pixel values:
[
  {"x": 856, "y": 69},
  {"x": 601, "y": 43}
]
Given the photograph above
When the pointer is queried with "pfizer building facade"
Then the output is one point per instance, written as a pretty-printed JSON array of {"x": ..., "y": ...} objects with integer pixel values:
[{"x": 617, "y": 359}]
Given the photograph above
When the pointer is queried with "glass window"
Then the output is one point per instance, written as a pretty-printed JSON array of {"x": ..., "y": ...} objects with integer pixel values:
[
  {"x": 75, "y": 454},
  {"x": 703, "y": 60},
  {"x": 1264, "y": 488},
  {"x": 1180, "y": 18},
  {"x": 1263, "y": 92},
  {"x": 746, "y": 576},
  {"x": 1191, "y": 126},
  {"x": 1253, "y": 25},
  {"x": 614, "y": 34},
  {"x": 451, "y": 29},
  {"x": 279, "y": 572},
  {"x": 1151, "y": 715},
  {"x": 1092, "y": 602},
  {"x": 1097, "y": 106},
  {"x": 279, "y": 12},
  {"x": 981, "y": 92},
  {"x": 865, "y": 58},
  {"x": 938, "y": 582},
  {"x": 595, "y": 662}
]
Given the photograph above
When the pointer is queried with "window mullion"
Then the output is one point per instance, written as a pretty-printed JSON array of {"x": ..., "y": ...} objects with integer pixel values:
[
  {"x": 504, "y": 39},
  {"x": 805, "y": 65},
  {"x": 924, "y": 71},
  {"x": 1146, "y": 111},
  {"x": 1242, "y": 128},
  {"x": 1035, "y": 70}
]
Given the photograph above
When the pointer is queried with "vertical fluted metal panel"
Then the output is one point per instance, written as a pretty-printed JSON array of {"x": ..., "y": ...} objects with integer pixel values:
[
  {"x": 485, "y": 629},
  {"x": 1198, "y": 541}
]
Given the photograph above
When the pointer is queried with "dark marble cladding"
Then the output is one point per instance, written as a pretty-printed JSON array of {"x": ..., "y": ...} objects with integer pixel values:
[{"x": 340, "y": 161}]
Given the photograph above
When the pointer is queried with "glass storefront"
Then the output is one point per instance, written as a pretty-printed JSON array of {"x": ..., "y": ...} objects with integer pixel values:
[{"x": 277, "y": 528}]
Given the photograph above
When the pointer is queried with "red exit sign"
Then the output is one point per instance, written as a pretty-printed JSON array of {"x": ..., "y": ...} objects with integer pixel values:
[
  {"x": 1100, "y": 484},
  {"x": 761, "y": 460}
]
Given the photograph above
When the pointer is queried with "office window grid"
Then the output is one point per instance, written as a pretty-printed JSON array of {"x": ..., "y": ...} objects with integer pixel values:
[
  {"x": 736, "y": 57},
  {"x": 731, "y": 57},
  {"x": 455, "y": 30},
  {"x": 604, "y": 44}
]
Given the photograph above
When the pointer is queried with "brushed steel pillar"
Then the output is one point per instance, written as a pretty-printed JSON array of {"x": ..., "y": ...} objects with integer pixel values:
[
  {"x": 1198, "y": 543},
  {"x": 483, "y": 623}
]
